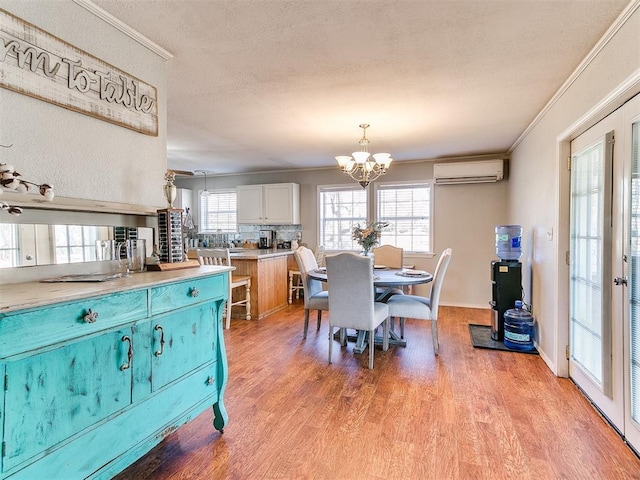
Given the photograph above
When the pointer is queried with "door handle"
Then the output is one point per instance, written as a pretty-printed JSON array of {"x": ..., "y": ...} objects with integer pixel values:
[{"x": 620, "y": 280}]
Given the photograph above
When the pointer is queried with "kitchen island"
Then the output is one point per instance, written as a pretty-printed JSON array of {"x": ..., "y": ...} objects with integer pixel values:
[
  {"x": 269, "y": 271},
  {"x": 269, "y": 278}
]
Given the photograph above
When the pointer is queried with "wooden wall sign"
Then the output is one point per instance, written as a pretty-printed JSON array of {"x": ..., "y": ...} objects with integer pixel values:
[{"x": 40, "y": 65}]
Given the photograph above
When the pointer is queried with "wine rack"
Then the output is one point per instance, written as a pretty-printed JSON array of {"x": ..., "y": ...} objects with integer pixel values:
[{"x": 170, "y": 235}]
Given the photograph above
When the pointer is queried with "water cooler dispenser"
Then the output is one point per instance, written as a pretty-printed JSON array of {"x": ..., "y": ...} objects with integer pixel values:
[
  {"x": 506, "y": 288},
  {"x": 506, "y": 276}
]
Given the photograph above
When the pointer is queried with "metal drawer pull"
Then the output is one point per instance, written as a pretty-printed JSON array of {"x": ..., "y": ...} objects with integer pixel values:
[
  {"x": 194, "y": 292},
  {"x": 160, "y": 352},
  {"x": 125, "y": 366},
  {"x": 91, "y": 316},
  {"x": 209, "y": 380}
]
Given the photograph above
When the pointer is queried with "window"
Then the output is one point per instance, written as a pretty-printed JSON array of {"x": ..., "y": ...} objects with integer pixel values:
[
  {"x": 75, "y": 243},
  {"x": 9, "y": 246},
  {"x": 218, "y": 212},
  {"x": 340, "y": 209},
  {"x": 407, "y": 208}
]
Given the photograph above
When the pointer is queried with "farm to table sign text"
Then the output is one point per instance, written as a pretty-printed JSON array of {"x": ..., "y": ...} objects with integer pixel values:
[{"x": 40, "y": 65}]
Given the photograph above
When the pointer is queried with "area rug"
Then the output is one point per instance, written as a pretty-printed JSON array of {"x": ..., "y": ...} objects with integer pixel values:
[{"x": 481, "y": 338}]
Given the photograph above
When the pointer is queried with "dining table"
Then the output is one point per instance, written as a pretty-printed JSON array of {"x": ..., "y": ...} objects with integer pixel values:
[{"x": 384, "y": 281}]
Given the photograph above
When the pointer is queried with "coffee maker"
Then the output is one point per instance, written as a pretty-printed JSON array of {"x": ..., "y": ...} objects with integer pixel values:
[{"x": 266, "y": 238}]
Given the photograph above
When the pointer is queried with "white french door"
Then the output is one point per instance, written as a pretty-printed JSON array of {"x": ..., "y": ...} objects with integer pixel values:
[
  {"x": 604, "y": 311},
  {"x": 631, "y": 309},
  {"x": 595, "y": 362}
]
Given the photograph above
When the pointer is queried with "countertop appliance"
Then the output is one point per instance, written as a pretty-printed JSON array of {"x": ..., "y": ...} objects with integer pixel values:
[{"x": 266, "y": 238}]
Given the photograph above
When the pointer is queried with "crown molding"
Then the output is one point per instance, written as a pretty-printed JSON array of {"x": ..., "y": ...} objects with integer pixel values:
[
  {"x": 591, "y": 56},
  {"x": 124, "y": 28}
]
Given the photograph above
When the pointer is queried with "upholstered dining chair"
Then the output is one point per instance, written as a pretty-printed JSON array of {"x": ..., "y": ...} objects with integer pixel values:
[
  {"x": 295, "y": 278},
  {"x": 422, "y": 308},
  {"x": 221, "y": 256},
  {"x": 315, "y": 298},
  {"x": 351, "y": 299},
  {"x": 391, "y": 257}
]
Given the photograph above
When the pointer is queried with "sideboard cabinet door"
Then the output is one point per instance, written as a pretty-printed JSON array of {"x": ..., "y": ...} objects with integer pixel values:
[
  {"x": 183, "y": 341},
  {"x": 56, "y": 394}
]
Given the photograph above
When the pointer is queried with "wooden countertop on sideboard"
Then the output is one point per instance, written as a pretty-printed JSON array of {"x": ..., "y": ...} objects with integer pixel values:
[{"x": 17, "y": 296}]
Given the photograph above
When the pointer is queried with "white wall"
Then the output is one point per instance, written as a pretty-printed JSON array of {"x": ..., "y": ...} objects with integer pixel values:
[
  {"x": 81, "y": 156},
  {"x": 464, "y": 219},
  {"x": 538, "y": 186}
]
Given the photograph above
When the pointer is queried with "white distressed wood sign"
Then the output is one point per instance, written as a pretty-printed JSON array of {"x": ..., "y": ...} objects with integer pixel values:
[{"x": 40, "y": 65}]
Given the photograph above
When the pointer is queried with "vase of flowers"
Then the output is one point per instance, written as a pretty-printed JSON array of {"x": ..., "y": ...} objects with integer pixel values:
[{"x": 369, "y": 235}]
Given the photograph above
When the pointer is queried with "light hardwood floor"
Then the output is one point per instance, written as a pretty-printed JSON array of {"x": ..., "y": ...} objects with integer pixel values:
[{"x": 467, "y": 414}]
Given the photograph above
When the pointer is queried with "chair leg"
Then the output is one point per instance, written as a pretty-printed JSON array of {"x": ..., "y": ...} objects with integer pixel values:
[
  {"x": 402, "y": 328},
  {"x": 330, "y": 342},
  {"x": 371, "y": 347},
  {"x": 306, "y": 323},
  {"x": 319, "y": 319},
  {"x": 248, "y": 298},
  {"x": 385, "y": 335},
  {"x": 290, "y": 288},
  {"x": 343, "y": 337},
  {"x": 434, "y": 335}
]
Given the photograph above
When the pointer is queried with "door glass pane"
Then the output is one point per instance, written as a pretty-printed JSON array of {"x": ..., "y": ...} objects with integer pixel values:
[
  {"x": 634, "y": 278},
  {"x": 587, "y": 242}
]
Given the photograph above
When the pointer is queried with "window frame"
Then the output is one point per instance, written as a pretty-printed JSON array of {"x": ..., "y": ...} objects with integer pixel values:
[
  {"x": 377, "y": 186},
  {"x": 11, "y": 251},
  {"x": 218, "y": 191},
  {"x": 334, "y": 187}
]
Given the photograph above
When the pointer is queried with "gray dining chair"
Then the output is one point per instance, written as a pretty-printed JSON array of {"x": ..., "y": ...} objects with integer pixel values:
[
  {"x": 351, "y": 299},
  {"x": 422, "y": 308},
  {"x": 315, "y": 298}
]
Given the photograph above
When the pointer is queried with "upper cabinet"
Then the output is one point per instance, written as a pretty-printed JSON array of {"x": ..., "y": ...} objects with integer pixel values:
[
  {"x": 272, "y": 204},
  {"x": 183, "y": 199}
]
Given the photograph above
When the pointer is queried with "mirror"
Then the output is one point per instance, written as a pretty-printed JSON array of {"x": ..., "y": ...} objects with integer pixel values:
[{"x": 23, "y": 245}]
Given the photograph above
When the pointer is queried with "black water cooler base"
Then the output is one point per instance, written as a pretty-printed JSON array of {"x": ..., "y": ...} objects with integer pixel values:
[{"x": 506, "y": 279}]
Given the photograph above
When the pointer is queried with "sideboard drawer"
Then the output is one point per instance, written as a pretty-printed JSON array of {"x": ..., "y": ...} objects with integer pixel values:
[
  {"x": 24, "y": 332},
  {"x": 176, "y": 295}
]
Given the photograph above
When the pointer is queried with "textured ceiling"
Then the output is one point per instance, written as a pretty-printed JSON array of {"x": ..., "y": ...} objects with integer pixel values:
[{"x": 266, "y": 85}]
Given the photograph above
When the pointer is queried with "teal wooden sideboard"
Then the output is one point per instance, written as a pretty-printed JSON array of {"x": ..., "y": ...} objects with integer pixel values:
[{"x": 95, "y": 375}]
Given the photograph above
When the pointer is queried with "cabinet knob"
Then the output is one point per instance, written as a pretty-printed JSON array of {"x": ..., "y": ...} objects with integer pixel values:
[
  {"x": 91, "y": 316},
  {"x": 194, "y": 292},
  {"x": 209, "y": 380}
]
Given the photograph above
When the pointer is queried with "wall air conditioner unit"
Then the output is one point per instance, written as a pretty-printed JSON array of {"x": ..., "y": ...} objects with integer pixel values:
[{"x": 484, "y": 171}]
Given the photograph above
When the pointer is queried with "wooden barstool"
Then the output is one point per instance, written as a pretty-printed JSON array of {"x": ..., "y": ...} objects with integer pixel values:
[
  {"x": 221, "y": 256},
  {"x": 295, "y": 284}
]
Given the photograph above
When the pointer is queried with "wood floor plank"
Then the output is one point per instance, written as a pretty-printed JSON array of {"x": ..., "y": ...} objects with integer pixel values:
[{"x": 466, "y": 414}]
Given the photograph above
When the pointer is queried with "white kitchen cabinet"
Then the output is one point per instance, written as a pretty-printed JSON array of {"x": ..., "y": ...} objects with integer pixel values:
[
  {"x": 271, "y": 204},
  {"x": 183, "y": 199}
]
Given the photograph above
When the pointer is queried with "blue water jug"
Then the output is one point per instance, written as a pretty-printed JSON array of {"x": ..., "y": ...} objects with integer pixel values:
[
  {"x": 509, "y": 242},
  {"x": 518, "y": 328}
]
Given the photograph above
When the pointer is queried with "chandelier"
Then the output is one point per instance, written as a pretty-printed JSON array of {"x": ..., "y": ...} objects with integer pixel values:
[
  {"x": 361, "y": 166},
  {"x": 205, "y": 192}
]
